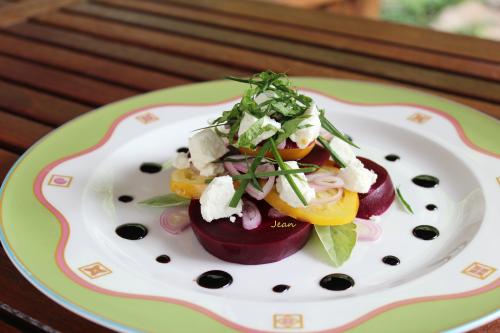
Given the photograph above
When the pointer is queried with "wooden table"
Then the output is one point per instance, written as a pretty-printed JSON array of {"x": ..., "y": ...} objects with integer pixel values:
[{"x": 61, "y": 58}]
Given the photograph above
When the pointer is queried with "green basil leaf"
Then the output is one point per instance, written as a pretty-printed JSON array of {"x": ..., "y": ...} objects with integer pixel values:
[
  {"x": 338, "y": 241},
  {"x": 167, "y": 200}
]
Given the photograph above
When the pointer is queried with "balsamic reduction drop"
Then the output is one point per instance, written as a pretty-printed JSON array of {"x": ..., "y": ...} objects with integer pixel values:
[
  {"x": 281, "y": 288},
  {"x": 425, "y": 181},
  {"x": 391, "y": 260},
  {"x": 214, "y": 279},
  {"x": 183, "y": 150},
  {"x": 431, "y": 207},
  {"x": 163, "y": 259},
  {"x": 132, "y": 231},
  {"x": 150, "y": 167},
  {"x": 337, "y": 282},
  {"x": 392, "y": 157},
  {"x": 125, "y": 198},
  {"x": 425, "y": 232}
]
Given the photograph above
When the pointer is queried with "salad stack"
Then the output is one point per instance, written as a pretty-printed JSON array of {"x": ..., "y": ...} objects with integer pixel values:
[{"x": 271, "y": 169}]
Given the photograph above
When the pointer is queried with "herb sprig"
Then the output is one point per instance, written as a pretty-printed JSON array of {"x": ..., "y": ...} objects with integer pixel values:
[
  {"x": 403, "y": 201},
  {"x": 243, "y": 185},
  {"x": 283, "y": 104}
]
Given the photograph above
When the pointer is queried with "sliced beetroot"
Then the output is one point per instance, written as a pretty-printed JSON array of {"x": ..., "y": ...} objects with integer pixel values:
[
  {"x": 318, "y": 156},
  {"x": 267, "y": 243},
  {"x": 380, "y": 196}
]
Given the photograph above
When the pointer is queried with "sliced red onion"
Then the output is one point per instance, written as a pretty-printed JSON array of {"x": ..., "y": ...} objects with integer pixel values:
[
  {"x": 316, "y": 175},
  {"x": 329, "y": 199},
  {"x": 324, "y": 181},
  {"x": 251, "y": 218},
  {"x": 229, "y": 166},
  {"x": 367, "y": 230},
  {"x": 332, "y": 181},
  {"x": 175, "y": 219},
  {"x": 255, "y": 193},
  {"x": 241, "y": 166},
  {"x": 275, "y": 214}
]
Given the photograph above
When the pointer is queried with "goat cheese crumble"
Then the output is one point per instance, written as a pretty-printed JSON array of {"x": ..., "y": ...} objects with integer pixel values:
[{"x": 215, "y": 199}]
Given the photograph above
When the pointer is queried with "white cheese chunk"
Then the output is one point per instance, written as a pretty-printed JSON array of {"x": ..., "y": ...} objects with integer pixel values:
[
  {"x": 311, "y": 128},
  {"x": 181, "y": 161},
  {"x": 286, "y": 192},
  {"x": 205, "y": 147},
  {"x": 357, "y": 178},
  {"x": 248, "y": 120},
  {"x": 212, "y": 169},
  {"x": 215, "y": 199},
  {"x": 344, "y": 151}
]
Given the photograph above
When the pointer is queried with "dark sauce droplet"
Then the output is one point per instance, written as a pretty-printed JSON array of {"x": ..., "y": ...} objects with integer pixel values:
[
  {"x": 337, "y": 282},
  {"x": 125, "y": 198},
  {"x": 214, "y": 279},
  {"x": 150, "y": 167},
  {"x": 132, "y": 231},
  {"x": 431, "y": 207},
  {"x": 183, "y": 150},
  {"x": 281, "y": 288},
  {"x": 163, "y": 259},
  {"x": 391, "y": 260},
  {"x": 425, "y": 232},
  {"x": 392, "y": 157},
  {"x": 425, "y": 181}
]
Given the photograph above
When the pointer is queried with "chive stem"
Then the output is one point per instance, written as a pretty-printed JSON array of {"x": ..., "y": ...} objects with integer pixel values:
[
  {"x": 335, "y": 156},
  {"x": 288, "y": 177},
  {"x": 328, "y": 126},
  {"x": 403, "y": 201},
  {"x": 273, "y": 173}
]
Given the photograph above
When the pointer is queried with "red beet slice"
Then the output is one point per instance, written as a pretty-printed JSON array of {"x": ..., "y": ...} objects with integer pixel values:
[
  {"x": 230, "y": 242},
  {"x": 380, "y": 196},
  {"x": 318, "y": 156}
]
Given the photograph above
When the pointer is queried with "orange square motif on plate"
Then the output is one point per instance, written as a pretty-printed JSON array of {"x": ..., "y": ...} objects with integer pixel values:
[
  {"x": 419, "y": 118},
  {"x": 147, "y": 118},
  {"x": 479, "y": 271},
  {"x": 60, "y": 181},
  {"x": 95, "y": 270},
  {"x": 288, "y": 321}
]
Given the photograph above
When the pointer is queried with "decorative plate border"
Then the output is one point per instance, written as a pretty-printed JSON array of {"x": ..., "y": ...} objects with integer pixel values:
[{"x": 64, "y": 236}]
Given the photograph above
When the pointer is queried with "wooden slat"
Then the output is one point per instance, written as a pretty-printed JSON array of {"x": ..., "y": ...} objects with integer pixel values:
[
  {"x": 162, "y": 61},
  {"x": 99, "y": 68},
  {"x": 61, "y": 83},
  {"x": 24, "y": 297},
  {"x": 152, "y": 39},
  {"x": 7, "y": 159},
  {"x": 470, "y": 67},
  {"x": 38, "y": 106},
  {"x": 4, "y": 325},
  {"x": 18, "y": 12},
  {"x": 450, "y": 82},
  {"x": 233, "y": 56},
  {"x": 18, "y": 134},
  {"x": 384, "y": 32}
]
